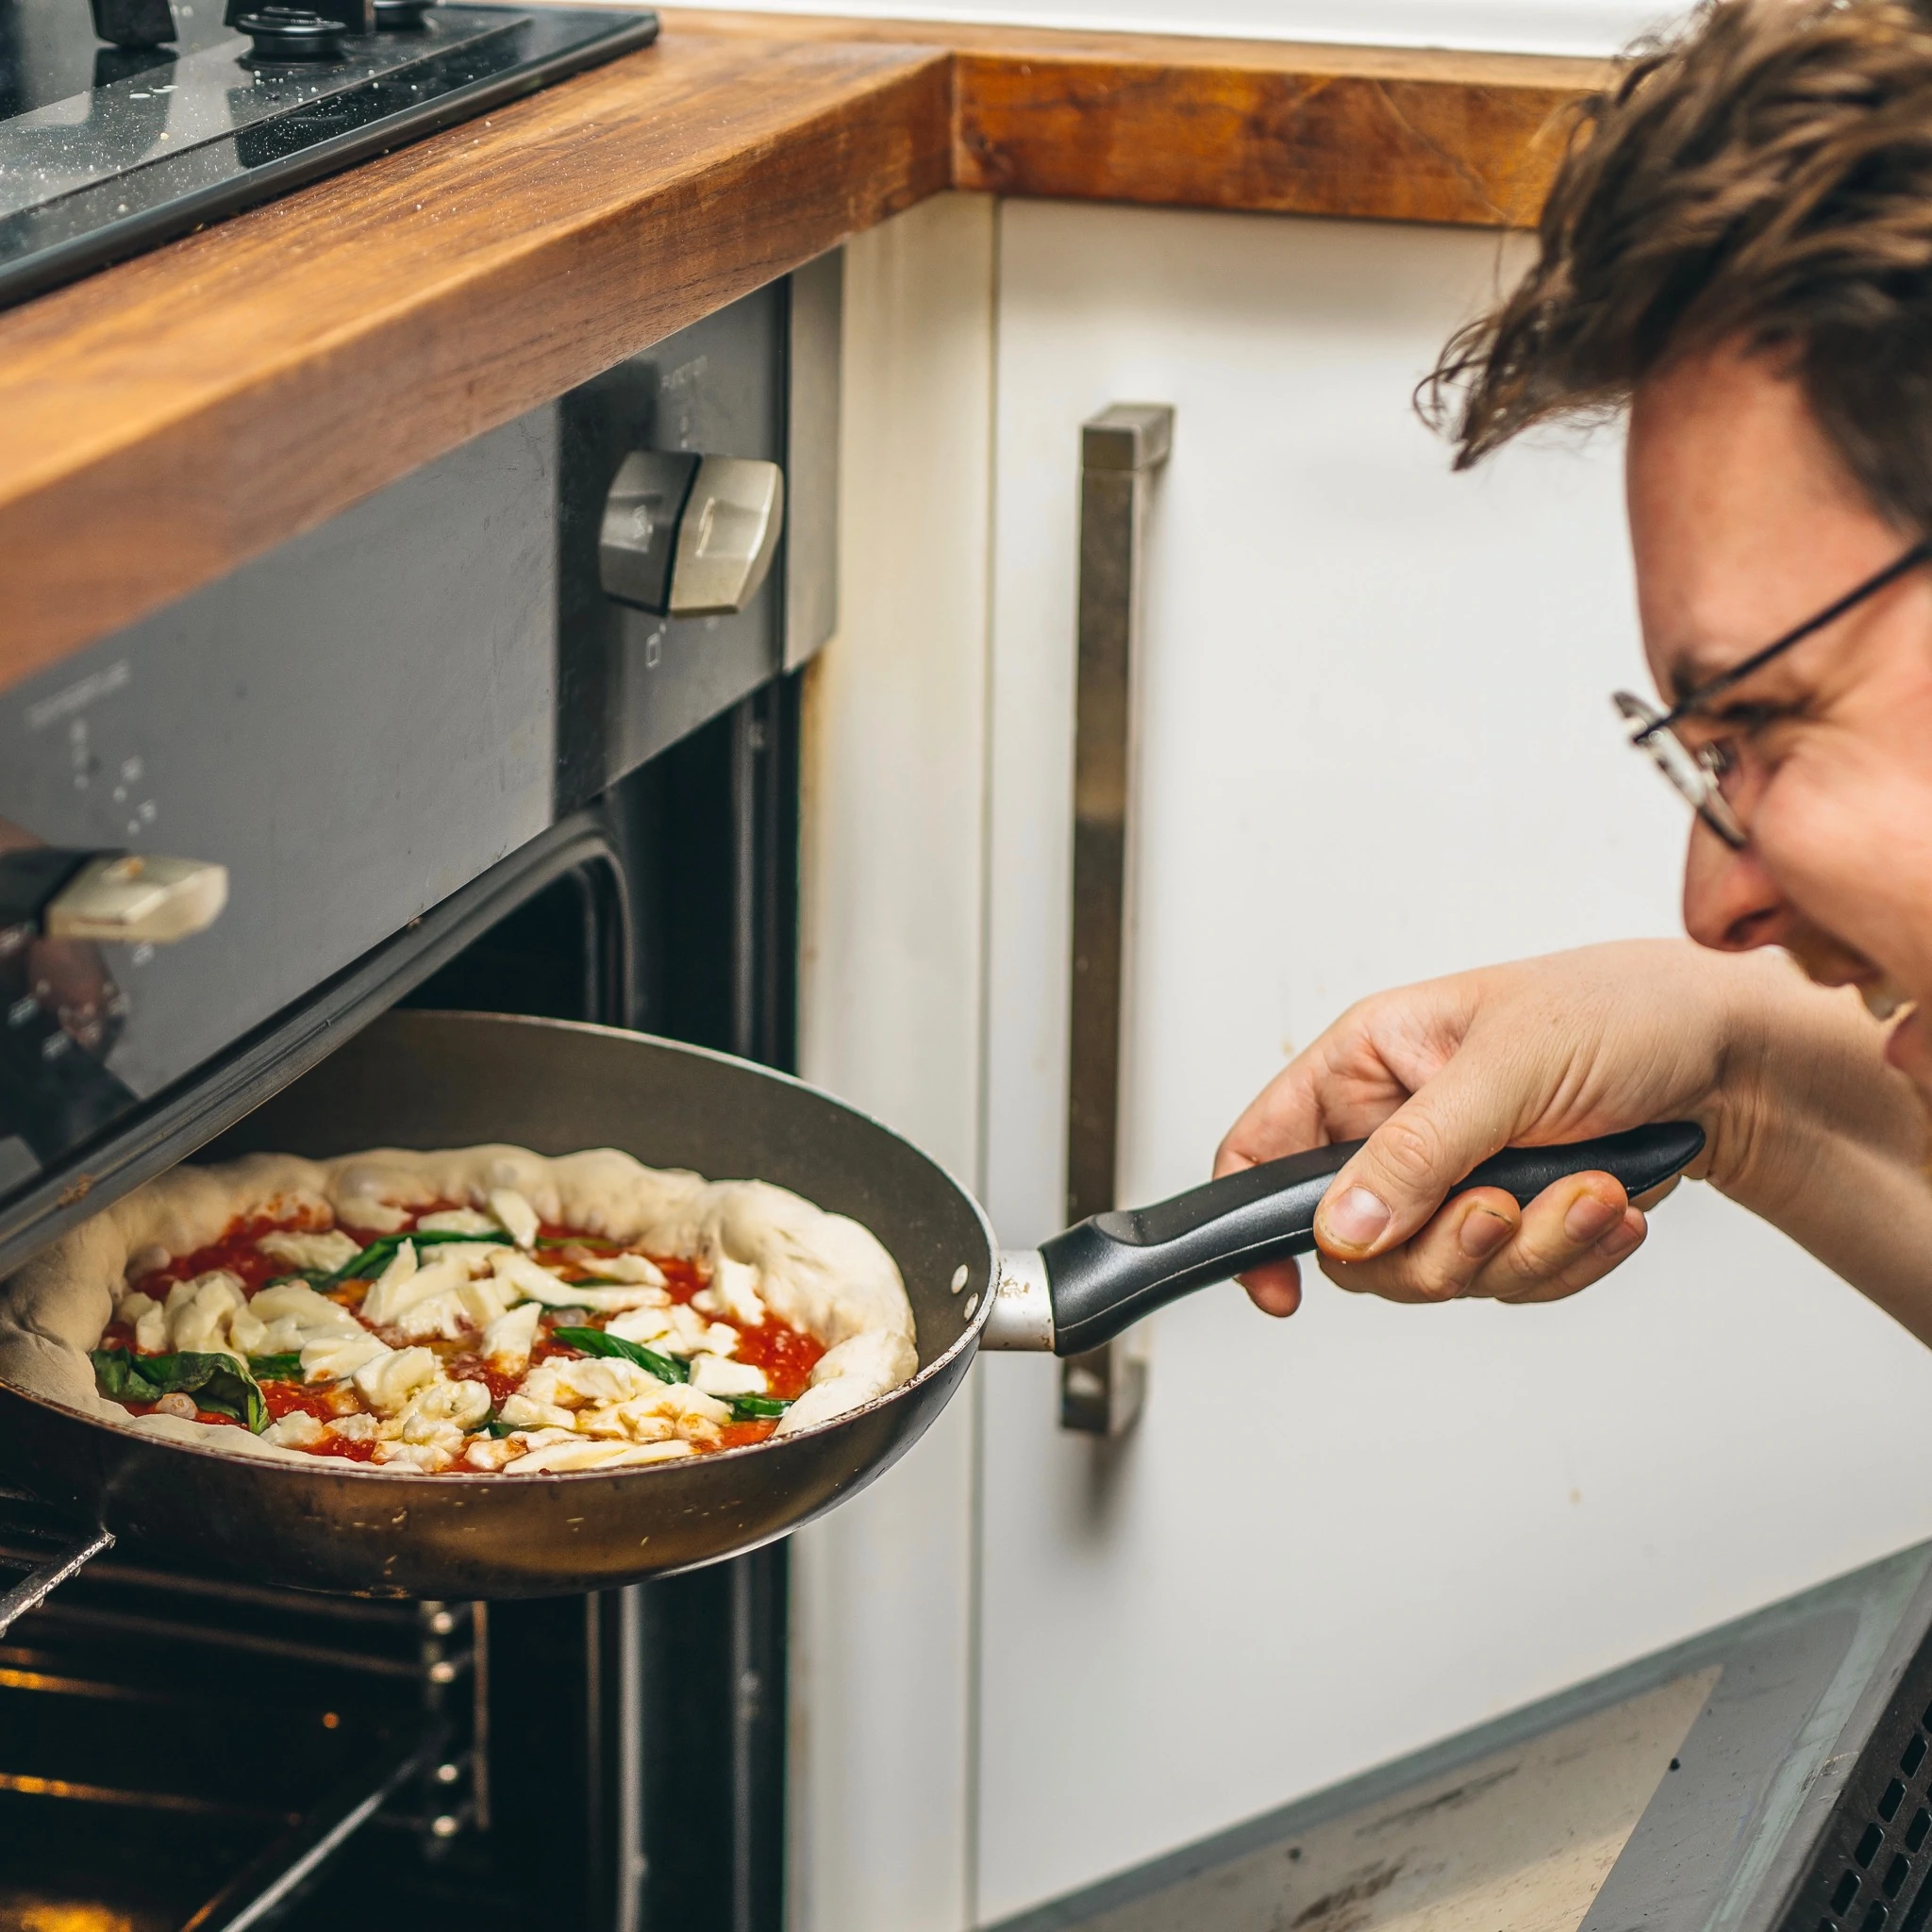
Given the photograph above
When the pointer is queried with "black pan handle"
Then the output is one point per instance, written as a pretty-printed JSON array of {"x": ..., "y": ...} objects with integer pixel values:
[{"x": 1109, "y": 1270}]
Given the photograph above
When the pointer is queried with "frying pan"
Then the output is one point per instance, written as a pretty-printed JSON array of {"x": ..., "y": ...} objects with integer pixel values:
[{"x": 419, "y": 1079}]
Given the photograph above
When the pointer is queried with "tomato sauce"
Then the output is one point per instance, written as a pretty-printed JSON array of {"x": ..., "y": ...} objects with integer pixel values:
[
  {"x": 787, "y": 1354},
  {"x": 236, "y": 1252}
]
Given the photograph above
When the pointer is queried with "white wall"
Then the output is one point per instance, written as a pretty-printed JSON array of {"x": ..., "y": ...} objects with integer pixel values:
[
  {"x": 1376, "y": 746},
  {"x": 1520, "y": 27},
  {"x": 889, "y": 1007}
]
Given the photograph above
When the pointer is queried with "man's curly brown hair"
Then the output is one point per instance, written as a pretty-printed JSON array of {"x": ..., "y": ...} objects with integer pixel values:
[{"x": 1764, "y": 178}]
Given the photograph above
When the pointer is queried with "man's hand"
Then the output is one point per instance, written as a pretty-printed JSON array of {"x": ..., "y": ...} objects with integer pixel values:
[{"x": 1439, "y": 1077}]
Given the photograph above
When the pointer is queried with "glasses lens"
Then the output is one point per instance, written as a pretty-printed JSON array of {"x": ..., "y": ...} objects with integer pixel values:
[{"x": 1694, "y": 778}]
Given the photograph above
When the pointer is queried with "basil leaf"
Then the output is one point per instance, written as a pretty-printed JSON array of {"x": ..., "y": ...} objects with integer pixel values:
[
  {"x": 498, "y": 1428},
  {"x": 756, "y": 1408},
  {"x": 217, "y": 1382},
  {"x": 118, "y": 1373},
  {"x": 382, "y": 1251},
  {"x": 596, "y": 1341},
  {"x": 368, "y": 1263},
  {"x": 277, "y": 1368}
]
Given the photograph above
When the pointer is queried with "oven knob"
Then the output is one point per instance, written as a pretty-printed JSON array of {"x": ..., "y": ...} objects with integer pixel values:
[
  {"x": 126, "y": 898},
  {"x": 690, "y": 536}
]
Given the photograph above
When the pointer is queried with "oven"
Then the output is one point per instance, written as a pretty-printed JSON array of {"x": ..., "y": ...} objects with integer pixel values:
[{"x": 518, "y": 734}]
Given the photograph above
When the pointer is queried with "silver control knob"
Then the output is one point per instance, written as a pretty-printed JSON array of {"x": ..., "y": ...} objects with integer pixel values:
[
  {"x": 118, "y": 898},
  {"x": 690, "y": 536},
  {"x": 133, "y": 898}
]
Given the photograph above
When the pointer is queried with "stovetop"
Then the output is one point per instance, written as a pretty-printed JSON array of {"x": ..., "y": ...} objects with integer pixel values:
[{"x": 107, "y": 150}]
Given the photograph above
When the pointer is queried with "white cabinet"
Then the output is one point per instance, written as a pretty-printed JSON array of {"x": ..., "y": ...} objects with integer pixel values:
[{"x": 1376, "y": 743}]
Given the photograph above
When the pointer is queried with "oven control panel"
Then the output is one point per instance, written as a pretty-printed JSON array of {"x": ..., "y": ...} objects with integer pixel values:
[{"x": 211, "y": 815}]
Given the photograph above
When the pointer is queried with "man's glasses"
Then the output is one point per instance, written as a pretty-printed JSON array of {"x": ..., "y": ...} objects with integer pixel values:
[{"x": 1699, "y": 773}]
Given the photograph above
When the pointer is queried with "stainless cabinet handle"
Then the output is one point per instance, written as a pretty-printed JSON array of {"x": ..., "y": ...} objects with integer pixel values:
[{"x": 1101, "y": 1391}]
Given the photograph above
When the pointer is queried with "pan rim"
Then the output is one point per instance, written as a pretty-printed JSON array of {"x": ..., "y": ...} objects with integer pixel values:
[{"x": 333, "y": 1467}]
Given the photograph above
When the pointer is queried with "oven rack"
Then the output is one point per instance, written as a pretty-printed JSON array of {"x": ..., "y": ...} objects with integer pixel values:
[{"x": 183, "y": 1744}]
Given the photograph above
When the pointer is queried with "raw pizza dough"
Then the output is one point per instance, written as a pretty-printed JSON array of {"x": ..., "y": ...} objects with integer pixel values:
[{"x": 822, "y": 1273}]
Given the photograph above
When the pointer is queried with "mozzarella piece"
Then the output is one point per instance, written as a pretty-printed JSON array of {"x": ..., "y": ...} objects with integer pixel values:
[
  {"x": 570, "y": 1381},
  {"x": 151, "y": 1330},
  {"x": 715, "y": 1376},
  {"x": 456, "y": 1220},
  {"x": 515, "y": 1216},
  {"x": 641, "y": 1325},
  {"x": 351, "y": 1428},
  {"x": 248, "y": 1332},
  {"x": 490, "y": 1456},
  {"x": 309, "y": 1315},
  {"x": 436, "y": 1315},
  {"x": 508, "y": 1340},
  {"x": 540, "y": 1285},
  {"x": 637, "y": 1268},
  {"x": 470, "y": 1259},
  {"x": 324, "y": 1253},
  {"x": 133, "y": 1305},
  {"x": 416, "y": 1458},
  {"x": 459, "y": 1404},
  {"x": 684, "y": 1331},
  {"x": 389, "y": 1284},
  {"x": 523, "y": 1411},
  {"x": 525, "y": 1276},
  {"x": 386, "y": 1304},
  {"x": 336, "y": 1356},
  {"x": 298, "y": 1429},
  {"x": 198, "y": 1312},
  {"x": 636, "y": 1422},
  {"x": 586, "y": 1454},
  {"x": 733, "y": 1290},
  {"x": 388, "y": 1381}
]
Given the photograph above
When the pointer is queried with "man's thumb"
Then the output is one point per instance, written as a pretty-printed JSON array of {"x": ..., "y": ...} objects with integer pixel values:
[{"x": 1402, "y": 1175}]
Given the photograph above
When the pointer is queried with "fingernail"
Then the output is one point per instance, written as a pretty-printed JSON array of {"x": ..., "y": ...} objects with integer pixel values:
[
  {"x": 1356, "y": 1220},
  {"x": 1618, "y": 1242},
  {"x": 1481, "y": 1234},
  {"x": 1590, "y": 1217}
]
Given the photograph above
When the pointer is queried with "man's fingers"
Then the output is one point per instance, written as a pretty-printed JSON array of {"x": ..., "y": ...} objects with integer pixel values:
[
  {"x": 1611, "y": 1249},
  {"x": 1445, "y": 1259},
  {"x": 1481, "y": 1244},
  {"x": 1559, "y": 1227},
  {"x": 1275, "y": 1288}
]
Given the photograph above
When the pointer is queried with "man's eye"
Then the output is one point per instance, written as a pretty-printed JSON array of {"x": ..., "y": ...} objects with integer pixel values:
[{"x": 1745, "y": 720}]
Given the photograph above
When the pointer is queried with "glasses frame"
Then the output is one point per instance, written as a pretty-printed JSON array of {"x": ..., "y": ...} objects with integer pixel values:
[{"x": 1695, "y": 772}]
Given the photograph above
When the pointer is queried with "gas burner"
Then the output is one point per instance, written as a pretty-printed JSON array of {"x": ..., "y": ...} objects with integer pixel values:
[
  {"x": 401, "y": 16},
  {"x": 284, "y": 34}
]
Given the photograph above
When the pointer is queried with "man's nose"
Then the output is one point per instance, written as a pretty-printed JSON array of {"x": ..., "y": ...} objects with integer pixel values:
[{"x": 1731, "y": 903}]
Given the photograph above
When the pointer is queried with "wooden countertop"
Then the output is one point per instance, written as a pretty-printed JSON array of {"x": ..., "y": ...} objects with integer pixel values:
[{"x": 173, "y": 417}]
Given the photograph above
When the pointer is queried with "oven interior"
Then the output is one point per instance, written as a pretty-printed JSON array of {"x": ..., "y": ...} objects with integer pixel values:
[{"x": 182, "y": 1752}]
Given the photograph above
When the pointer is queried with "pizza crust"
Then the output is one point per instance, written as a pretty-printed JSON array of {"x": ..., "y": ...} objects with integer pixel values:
[{"x": 822, "y": 1273}]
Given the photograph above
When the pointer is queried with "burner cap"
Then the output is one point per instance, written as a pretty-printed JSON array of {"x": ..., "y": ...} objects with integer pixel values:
[
  {"x": 292, "y": 33},
  {"x": 396, "y": 16}
]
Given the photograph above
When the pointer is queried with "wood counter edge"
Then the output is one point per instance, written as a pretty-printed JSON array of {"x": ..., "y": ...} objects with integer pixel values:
[{"x": 176, "y": 416}]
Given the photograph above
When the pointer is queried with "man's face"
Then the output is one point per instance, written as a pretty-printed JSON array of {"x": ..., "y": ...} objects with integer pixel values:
[{"x": 1744, "y": 524}]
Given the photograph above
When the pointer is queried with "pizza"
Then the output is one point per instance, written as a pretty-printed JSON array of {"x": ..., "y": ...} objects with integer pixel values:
[{"x": 481, "y": 1311}]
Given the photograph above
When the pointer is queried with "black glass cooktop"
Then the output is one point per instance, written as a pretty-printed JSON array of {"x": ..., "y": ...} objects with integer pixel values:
[{"x": 106, "y": 150}]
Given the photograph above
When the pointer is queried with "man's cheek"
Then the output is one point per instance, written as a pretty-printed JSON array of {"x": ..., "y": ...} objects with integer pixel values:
[{"x": 1835, "y": 863}]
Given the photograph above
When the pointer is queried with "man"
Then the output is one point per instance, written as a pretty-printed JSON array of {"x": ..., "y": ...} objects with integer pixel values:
[{"x": 1736, "y": 252}]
